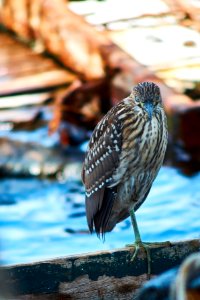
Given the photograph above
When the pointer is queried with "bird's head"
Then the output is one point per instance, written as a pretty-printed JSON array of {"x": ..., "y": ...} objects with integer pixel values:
[{"x": 147, "y": 96}]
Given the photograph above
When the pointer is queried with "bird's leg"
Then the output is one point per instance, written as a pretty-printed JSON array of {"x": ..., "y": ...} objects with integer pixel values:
[{"x": 138, "y": 242}]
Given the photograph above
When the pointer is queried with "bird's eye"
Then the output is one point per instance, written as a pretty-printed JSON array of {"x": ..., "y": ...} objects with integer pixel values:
[
  {"x": 137, "y": 99},
  {"x": 156, "y": 100}
]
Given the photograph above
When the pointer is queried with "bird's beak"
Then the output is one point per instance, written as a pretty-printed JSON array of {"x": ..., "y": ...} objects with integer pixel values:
[{"x": 149, "y": 109}]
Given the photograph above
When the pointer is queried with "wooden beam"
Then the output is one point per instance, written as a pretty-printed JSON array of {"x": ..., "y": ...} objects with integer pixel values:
[
  {"x": 44, "y": 80},
  {"x": 99, "y": 275}
]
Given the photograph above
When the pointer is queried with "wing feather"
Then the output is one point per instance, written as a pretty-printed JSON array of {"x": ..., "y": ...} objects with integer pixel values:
[{"x": 102, "y": 159}]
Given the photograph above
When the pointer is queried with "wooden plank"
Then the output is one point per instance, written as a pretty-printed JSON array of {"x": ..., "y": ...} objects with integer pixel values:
[
  {"x": 54, "y": 25},
  {"x": 22, "y": 69},
  {"x": 99, "y": 275},
  {"x": 6, "y": 39},
  {"x": 24, "y": 100},
  {"x": 42, "y": 80},
  {"x": 19, "y": 115},
  {"x": 134, "y": 9},
  {"x": 16, "y": 66}
]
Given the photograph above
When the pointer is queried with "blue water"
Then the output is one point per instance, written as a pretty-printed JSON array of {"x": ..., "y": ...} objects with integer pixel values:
[{"x": 42, "y": 219}]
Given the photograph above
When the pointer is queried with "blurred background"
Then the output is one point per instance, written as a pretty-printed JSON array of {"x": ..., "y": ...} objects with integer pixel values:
[{"x": 63, "y": 65}]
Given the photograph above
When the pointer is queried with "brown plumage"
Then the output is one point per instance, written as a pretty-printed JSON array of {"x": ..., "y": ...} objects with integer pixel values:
[{"x": 124, "y": 155}]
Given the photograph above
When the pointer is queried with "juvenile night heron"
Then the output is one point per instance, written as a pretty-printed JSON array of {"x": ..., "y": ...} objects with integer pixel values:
[{"x": 124, "y": 155}]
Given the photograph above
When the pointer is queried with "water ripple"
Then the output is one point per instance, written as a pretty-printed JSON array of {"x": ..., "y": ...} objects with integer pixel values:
[{"x": 42, "y": 219}]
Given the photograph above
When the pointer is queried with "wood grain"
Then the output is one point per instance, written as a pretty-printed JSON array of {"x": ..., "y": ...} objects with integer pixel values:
[
  {"x": 99, "y": 275},
  {"x": 23, "y": 70}
]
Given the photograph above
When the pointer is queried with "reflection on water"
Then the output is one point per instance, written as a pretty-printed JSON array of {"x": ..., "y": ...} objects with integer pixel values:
[{"x": 41, "y": 219}]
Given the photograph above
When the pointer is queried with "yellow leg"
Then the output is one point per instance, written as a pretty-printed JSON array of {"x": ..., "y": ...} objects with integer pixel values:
[{"x": 139, "y": 244}]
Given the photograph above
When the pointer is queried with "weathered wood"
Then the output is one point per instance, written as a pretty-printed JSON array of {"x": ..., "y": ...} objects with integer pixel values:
[
  {"x": 100, "y": 275},
  {"x": 56, "y": 24},
  {"x": 81, "y": 104},
  {"x": 59, "y": 31},
  {"x": 24, "y": 100},
  {"x": 19, "y": 115},
  {"x": 43, "y": 80},
  {"x": 190, "y": 9},
  {"x": 23, "y": 70}
]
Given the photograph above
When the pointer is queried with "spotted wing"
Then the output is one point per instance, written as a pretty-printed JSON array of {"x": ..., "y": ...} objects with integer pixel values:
[{"x": 101, "y": 161}]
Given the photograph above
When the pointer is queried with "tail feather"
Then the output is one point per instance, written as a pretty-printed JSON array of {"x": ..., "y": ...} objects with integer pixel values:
[{"x": 101, "y": 218}]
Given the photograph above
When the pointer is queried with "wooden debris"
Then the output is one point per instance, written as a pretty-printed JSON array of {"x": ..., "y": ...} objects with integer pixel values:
[
  {"x": 24, "y": 100},
  {"x": 102, "y": 13},
  {"x": 186, "y": 127},
  {"x": 179, "y": 66},
  {"x": 24, "y": 70},
  {"x": 105, "y": 275},
  {"x": 82, "y": 104},
  {"x": 44, "y": 80},
  {"x": 190, "y": 9},
  {"x": 57, "y": 30},
  {"x": 14, "y": 16},
  {"x": 19, "y": 115}
]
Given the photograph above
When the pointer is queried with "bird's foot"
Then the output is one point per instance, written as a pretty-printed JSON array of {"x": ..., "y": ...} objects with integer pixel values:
[{"x": 146, "y": 246}]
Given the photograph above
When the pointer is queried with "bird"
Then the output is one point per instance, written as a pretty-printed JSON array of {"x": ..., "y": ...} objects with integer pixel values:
[{"x": 124, "y": 155}]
